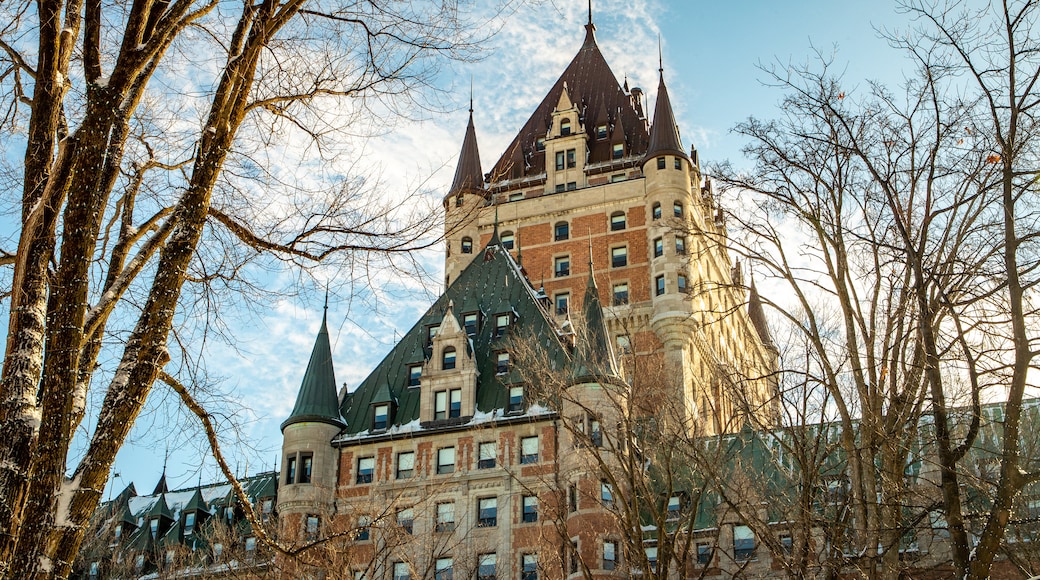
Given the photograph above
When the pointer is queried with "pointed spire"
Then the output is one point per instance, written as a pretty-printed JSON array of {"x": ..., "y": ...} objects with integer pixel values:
[
  {"x": 468, "y": 175},
  {"x": 757, "y": 315},
  {"x": 161, "y": 487},
  {"x": 317, "y": 400},
  {"x": 664, "y": 134},
  {"x": 593, "y": 356},
  {"x": 590, "y": 11},
  {"x": 590, "y": 31}
]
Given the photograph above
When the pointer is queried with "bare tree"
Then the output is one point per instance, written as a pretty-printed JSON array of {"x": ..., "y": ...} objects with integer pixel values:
[{"x": 125, "y": 197}]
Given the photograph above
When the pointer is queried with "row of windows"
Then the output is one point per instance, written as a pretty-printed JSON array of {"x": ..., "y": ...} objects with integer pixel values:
[
  {"x": 620, "y": 294},
  {"x": 661, "y": 162},
  {"x": 487, "y": 568},
  {"x": 487, "y": 456},
  {"x": 680, "y": 246}
]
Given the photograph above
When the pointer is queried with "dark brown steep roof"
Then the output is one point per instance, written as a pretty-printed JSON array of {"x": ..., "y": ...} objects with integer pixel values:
[
  {"x": 593, "y": 87},
  {"x": 664, "y": 137},
  {"x": 468, "y": 175}
]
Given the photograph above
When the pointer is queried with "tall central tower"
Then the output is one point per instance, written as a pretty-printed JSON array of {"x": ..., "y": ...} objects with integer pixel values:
[{"x": 589, "y": 179}]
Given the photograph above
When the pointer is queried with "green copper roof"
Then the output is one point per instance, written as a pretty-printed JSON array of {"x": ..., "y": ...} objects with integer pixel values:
[
  {"x": 593, "y": 355},
  {"x": 159, "y": 509},
  {"x": 196, "y": 503},
  {"x": 491, "y": 285},
  {"x": 317, "y": 401}
]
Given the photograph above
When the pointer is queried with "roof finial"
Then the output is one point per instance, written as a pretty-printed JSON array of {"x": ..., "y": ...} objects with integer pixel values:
[
  {"x": 471, "y": 95},
  {"x": 590, "y": 250},
  {"x": 660, "y": 55},
  {"x": 590, "y": 11},
  {"x": 326, "y": 296}
]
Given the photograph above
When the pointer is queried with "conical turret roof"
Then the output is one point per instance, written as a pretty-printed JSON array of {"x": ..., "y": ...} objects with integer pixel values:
[
  {"x": 468, "y": 175},
  {"x": 317, "y": 400},
  {"x": 664, "y": 135},
  {"x": 593, "y": 355}
]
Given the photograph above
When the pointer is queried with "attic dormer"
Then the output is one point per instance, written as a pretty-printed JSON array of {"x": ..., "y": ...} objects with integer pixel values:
[
  {"x": 566, "y": 146},
  {"x": 449, "y": 378}
]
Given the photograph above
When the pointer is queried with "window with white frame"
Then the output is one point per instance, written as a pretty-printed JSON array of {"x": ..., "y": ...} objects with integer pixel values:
[
  {"x": 405, "y": 464},
  {"x": 529, "y": 450},
  {"x": 487, "y": 454},
  {"x": 366, "y": 468},
  {"x": 445, "y": 516},
  {"x": 380, "y": 416},
  {"x": 445, "y": 460},
  {"x": 402, "y": 571}
]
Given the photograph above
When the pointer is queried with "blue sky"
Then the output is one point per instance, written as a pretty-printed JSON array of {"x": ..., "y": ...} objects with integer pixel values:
[{"x": 711, "y": 55}]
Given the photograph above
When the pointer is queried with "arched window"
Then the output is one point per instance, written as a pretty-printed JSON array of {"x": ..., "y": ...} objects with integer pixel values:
[
  {"x": 507, "y": 240},
  {"x": 562, "y": 231},
  {"x": 467, "y": 245},
  {"x": 565, "y": 127},
  {"x": 448, "y": 358}
]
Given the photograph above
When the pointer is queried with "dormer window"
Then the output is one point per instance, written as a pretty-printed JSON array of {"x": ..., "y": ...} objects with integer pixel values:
[
  {"x": 559, "y": 160},
  {"x": 189, "y": 522},
  {"x": 431, "y": 333},
  {"x": 502, "y": 363},
  {"x": 507, "y": 240},
  {"x": 501, "y": 324},
  {"x": 467, "y": 245},
  {"x": 601, "y": 131},
  {"x": 153, "y": 525},
  {"x": 539, "y": 145},
  {"x": 619, "y": 150},
  {"x": 469, "y": 322},
  {"x": 516, "y": 399},
  {"x": 680, "y": 245},
  {"x": 380, "y": 416},
  {"x": 448, "y": 359},
  {"x": 414, "y": 374},
  {"x": 119, "y": 531},
  {"x": 572, "y": 160},
  {"x": 565, "y": 127},
  {"x": 447, "y": 404}
]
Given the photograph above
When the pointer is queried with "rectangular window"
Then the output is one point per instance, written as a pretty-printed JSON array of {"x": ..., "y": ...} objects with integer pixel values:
[
  {"x": 678, "y": 163},
  {"x": 488, "y": 453},
  {"x": 454, "y": 403},
  {"x": 516, "y": 399},
  {"x": 618, "y": 150},
  {"x": 501, "y": 324},
  {"x": 574, "y": 557},
  {"x": 530, "y": 567},
  {"x": 651, "y": 557},
  {"x": 366, "y": 467},
  {"x": 312, "y": 525},
  {"x": 624, "y": 344},
  {"x": 659, "y": 285},
  {"x": 677, "y": 209},
  {"x": 440, "y": 405},
  {"x": 445, "y": 516},
  {"x": 609, "y": 555},
  {"x": 660, "y": 162},
  {"x": 562, "y": 231},
  {"x": 601, "y": 131},
  {"x": 290, "y": 469},
  {"x": 674, "y": 507},
  {"x": 562, "y": 266},
  {"x": 786, "y": 543},
  {"x": 743, "y": 543},
  {"x": 469, "y": 322},
  {"x": 617, "y": 222},
  {"x": 617, "y": 177},
  {"x": 572, "y": 185},
  {"x": 486, "y": 564},
  {"x": 620, "y": 294},
  {"x": 363, "y": 532},
  {"x": 572, "y": 497},
  {"x": 529, "y": 450},
  {"x": 559, "y": 160},
  {"x": 445, "y": 460},
  {"x": 539, "y": 145},
  {"x": 562, "y": 302},
  {"x": 606, "y": 494},
  {"x": 405, "y": 464},
  {"x": 406, "y": 519},
  {"x": 680, "y": 245},
  {"x": 380, "y": 416},
  {"x": 414, "y": 373},
  {"x": 683, "y": 287},
  {"x": 431, "y": 332},
  {"x": 705, "y": 552},
  {"x": 530, "y": 505},
  {"x": 306, "y": 466},
  {"x": 658, "y": 247},
  {"x": 656, "y": 211},
  {"x": 502, "y": 363},
  {"x": 189, "y": 522},
  {"x": 153, "y": 525},
  {"x": 442, "y": 569},
  {"x": 619, "y": 257},
  {"x": 516, "y": 196},
  {"x": 571, "y": 159},
  {"x": 595, "y": 432},
  {"x": 560, "y": 187},
  {"x": 487, "y": 512},
  {"x": 401, "y": 571}
]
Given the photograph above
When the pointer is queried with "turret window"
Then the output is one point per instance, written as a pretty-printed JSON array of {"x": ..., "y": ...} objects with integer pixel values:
[
  {"x": 619, "y": 150},
  {"x": 678, "y": 163},
  {"x": 620, "y": 294},
  {"x": 655, "y": 212},
  {"x": 405, "y": 464},
  {"x": 565, "y": 127},
  {"x": 683, "y": 287},
  {"x": 659, "y": 285},
  {"x": 562, "y": 266},
  {"x": 366, "y": 468},
  {"x": 619, "y": 257},
  {"x": 448, "y": 359},
  {"x": 380, "y": 416},
  {"x": 660, "y": 162},
  {"x": 677, "y": 209},
  {"x": 562, "y": 231},
  {"x": 680, "y": 245},
  {"x": 458, "y": 201},
  {"x": 467, "y": 245},
  {"x": 617, "y": 221},
  {"x": 290, "y": 470},
  {"x": 306, "y": 466},
  {"x": 658, "y": 247},
  {"x": 507, "y": 240}
]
